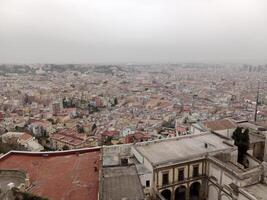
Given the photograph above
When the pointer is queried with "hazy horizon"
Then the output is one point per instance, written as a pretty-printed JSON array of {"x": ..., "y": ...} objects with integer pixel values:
[{"x": 133, "y": 31}]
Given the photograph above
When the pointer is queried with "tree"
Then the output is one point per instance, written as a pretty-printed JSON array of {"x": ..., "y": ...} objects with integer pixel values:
[
  {"x": 94, "y": 127},
  {"x": 115, "y": 101},
  {"x": 6, "y": 147},
  {"x": 93, "y": 109},
  {"x": 108, "y": 140},
  {"x": 168, "y": 124},
  {"x": 18, "y": 195},
  {"x": 64, "y": 102},
  {"x": 185, "y": 120},
  {"x": 241, "y": 139},
  {"x": 80, "y": 128},
  {"x": 65, "y": 147}
]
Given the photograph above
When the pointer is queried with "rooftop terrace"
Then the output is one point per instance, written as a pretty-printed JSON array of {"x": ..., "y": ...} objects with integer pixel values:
[
  {"x": 121, "y": 182},
  {"x": 181, "y": 148}
]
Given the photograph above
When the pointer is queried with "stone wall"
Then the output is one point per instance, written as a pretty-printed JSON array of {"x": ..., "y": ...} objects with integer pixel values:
[{"x": 112, "y": 154}]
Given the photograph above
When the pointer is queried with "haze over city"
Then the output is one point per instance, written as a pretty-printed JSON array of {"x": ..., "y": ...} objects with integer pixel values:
[{"x": 133, "y": 31}]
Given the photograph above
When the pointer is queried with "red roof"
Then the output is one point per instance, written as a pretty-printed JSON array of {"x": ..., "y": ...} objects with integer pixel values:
[
  {"x": 181, "y": 129},
  {"x": 69, "y": 136},
  {"x": 111, "y": 133},
  {"x": 141, "y": 136},
  {"x": 25, "y": 136},
  {"x": 59, "y": 175},
  {"x": 187, "y": 108},
  {"x": 1, "y": 115}
]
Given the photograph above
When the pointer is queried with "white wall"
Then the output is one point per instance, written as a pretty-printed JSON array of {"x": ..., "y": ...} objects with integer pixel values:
[{"x": 213, "y": 192}]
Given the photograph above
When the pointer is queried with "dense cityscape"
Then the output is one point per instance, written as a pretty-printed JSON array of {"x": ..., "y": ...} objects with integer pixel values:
[
  {"x": 76, "y": 106},
  {"x": 117, "y": 116}
]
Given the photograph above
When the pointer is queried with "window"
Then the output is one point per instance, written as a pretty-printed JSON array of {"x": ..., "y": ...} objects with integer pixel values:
[
  {"x": 165, "y": 178},
  {"x": 147, "y": 183},
  {"x": 180, "y": 174},
  {"x": 195, "y": 170}
]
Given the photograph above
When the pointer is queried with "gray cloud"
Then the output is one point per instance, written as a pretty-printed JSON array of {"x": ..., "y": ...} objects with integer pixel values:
[{"x": 99, "y": 31}]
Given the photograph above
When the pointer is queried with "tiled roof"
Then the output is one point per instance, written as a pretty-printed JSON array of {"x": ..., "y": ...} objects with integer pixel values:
[
  {"x": 67, "y": 175},
  {"x": 25, "y": 137}
]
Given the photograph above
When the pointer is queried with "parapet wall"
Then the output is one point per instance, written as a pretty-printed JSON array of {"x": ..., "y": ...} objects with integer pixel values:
[
  {"x": 112, "y": 154},
  {"x": 13, "y": 173},
  {"x": 122, "y": 149}
]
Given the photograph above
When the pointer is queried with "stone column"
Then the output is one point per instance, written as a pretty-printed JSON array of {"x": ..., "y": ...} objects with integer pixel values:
[{"x": 265, "y": 147}]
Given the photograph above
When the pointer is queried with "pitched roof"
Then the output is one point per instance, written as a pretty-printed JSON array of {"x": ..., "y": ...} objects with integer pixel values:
[{"x": 25, "y": 136}]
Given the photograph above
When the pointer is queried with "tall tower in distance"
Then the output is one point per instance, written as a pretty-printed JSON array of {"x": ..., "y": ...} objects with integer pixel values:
[{"x": 257, "y": 102}]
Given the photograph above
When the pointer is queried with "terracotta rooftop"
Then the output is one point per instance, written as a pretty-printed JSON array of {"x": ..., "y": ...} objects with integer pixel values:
[
  {"x": 110, "y": 133},
  {"x": 69, "y": 136},
  {"x": 25, "y": 137},
  {"x": 69, "y": 139},
  {"x": 62, "y": 175}
]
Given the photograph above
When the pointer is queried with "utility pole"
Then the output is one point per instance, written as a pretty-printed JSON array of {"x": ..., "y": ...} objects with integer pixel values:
[{"x": 257, "y": 102}]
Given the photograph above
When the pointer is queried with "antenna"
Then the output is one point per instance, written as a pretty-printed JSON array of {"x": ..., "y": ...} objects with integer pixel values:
[{"x": 257, "y": 102}]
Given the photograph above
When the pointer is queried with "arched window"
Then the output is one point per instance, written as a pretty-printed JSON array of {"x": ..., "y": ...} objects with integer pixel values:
[
  {"x": 195, "y": 191},
  {"x": 166, "y": 194}
]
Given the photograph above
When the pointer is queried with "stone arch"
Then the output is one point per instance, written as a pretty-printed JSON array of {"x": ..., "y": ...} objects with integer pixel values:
[
  {"x": 167, "y": 194},
  {"x": 197, "y": 181},
  {"x": 194, "y": 191},
  {"x": 180, "y": 193},
  {"x": 213, "y": 192}
]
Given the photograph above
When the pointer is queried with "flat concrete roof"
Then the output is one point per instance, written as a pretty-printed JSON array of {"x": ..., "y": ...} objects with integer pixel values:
[
  {"x": 121, "y": 182},
  {"x": 181, "y": 148},
  {"x": 250, "y": 125},
  {"x": 253, "y": 138},
  {"x": 257, "y": 190}
]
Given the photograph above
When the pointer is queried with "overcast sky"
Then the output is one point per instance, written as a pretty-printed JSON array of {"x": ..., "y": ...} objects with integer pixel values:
[{"x": 136, "y": 31}]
